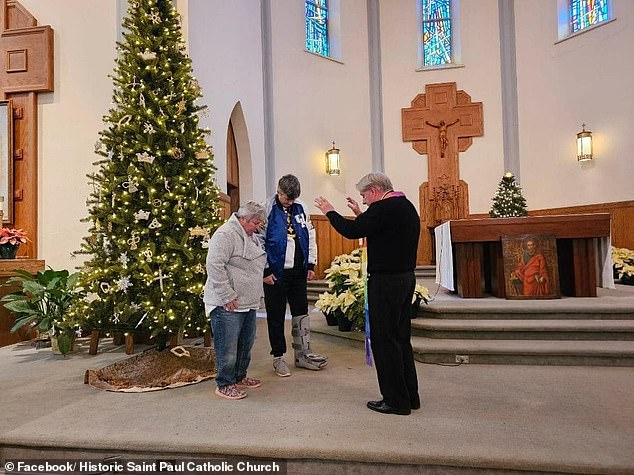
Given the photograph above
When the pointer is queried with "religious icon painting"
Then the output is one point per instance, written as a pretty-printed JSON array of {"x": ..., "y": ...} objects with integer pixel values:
[{"x": 530, "y": 267}]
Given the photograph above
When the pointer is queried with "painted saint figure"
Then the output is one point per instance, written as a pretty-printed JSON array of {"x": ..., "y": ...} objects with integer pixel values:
[
  {"x": 442, "y": 134},
  {"x": 531, "y": 272}
]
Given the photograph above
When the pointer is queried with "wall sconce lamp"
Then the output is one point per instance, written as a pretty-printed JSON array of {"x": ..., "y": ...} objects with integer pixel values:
[
  {"x": 332, "y": 161},
  {"x": 584, "y": 145}
]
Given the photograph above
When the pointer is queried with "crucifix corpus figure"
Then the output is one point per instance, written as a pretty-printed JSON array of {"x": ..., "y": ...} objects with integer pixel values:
[{"x": 442, "y": 134}]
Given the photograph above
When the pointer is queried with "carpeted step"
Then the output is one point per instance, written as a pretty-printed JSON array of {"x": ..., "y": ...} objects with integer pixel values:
[
  {"x": 426, "y": 271},
  {"x": 541, "y": 329},
  {"x": 532, "y": 352},
  {"x": 505, "y": 310}
]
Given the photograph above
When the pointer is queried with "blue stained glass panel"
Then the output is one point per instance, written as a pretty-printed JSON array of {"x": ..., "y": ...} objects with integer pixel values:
[
  {"x": 437, "y": 43},
  {"x": 435, "y": 9},
  {"x": 436, "y": 32},
  {"x": 585, "y": 13},
  {"x": 317, "y": 27}
]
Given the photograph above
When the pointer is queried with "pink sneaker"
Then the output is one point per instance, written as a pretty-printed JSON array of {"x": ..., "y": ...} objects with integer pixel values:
[
  {"x": 249, "y": 383},
  {"x": 230, "y": 392}
]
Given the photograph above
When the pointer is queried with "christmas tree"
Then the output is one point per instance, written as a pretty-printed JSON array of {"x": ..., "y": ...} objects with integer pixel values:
[
  {"x": 508, "y": 200},
  {"x": 154, "y": 202}
]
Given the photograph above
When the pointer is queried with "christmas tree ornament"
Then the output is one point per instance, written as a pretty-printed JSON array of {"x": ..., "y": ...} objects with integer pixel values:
[
  {"x": 141, "y": 214},
  {"x": 145, "y": 157},
  {"x": 124, "y": 283},
  {"x": 148, "y": 55}
]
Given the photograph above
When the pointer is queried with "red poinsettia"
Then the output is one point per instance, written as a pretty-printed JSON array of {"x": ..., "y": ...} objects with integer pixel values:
[{"x": 12, "y": 236}]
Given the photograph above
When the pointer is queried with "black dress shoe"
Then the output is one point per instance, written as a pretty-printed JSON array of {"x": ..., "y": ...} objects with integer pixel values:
[
  {"x": 385, "y": 408},
  {"x": 372, "y": 404}
]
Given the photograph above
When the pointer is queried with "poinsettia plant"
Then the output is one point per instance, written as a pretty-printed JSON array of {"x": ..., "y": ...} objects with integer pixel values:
[
  {"x": 346, "y": 288},
  {"x": 12, "y": 236},
  {"x": 623, "y": 260}
]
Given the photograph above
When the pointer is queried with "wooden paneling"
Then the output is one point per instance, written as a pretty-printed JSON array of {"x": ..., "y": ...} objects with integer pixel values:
[
  {"x": 27, "y": 50},
  {"x": 25, "y": 169},
  {"x": 329, "y": 244},
  {"x": 621, "y": 214},
  {"x": 225, "y": 202},
  {"x": 492, "y": 229}
]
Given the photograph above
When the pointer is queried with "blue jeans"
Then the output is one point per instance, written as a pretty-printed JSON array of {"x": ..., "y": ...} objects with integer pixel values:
[{"x": 234, "y": 335}]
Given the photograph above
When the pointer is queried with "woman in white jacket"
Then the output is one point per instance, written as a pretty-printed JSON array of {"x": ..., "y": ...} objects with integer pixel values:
[{"x": 235, "y": 265}]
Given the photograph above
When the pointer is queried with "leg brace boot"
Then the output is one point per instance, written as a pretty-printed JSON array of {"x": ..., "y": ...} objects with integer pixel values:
[{"x": 304, "y": 357}]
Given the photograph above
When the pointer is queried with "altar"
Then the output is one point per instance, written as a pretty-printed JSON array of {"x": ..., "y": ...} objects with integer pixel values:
[{"x": 469, "y": 252}]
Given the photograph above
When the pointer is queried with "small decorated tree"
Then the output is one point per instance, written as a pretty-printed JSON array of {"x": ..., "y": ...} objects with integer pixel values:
[
  {"x": 508, "y": 200},
  {"x": 154, "y": 202}
]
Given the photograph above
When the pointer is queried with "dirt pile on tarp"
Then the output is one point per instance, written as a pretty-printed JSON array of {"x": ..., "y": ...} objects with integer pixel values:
[{"x": 154, "y": 370}]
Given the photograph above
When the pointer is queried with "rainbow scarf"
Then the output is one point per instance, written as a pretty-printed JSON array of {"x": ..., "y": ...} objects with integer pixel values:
[{"x": 364, "y": 275}]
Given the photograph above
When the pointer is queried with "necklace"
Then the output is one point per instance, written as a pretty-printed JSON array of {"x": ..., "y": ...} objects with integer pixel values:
[{"x": 289, "y": 225}]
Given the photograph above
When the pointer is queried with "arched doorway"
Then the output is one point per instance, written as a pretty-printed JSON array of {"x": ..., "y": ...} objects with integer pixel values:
[
  {"x": 233, "y": 170},
  {"x": 239, "y": 166}
]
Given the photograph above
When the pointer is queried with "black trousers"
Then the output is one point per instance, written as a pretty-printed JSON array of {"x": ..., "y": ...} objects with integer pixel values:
[
  {"x": 389, "y": 304},
  {"x": 290, "y": 288}
]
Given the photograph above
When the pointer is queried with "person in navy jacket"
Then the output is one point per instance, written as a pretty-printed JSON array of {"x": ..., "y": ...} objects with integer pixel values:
[{"x": 291, "y": 257}]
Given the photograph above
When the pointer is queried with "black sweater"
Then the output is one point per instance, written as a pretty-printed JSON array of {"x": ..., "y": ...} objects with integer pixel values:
[{"x": 392, "y": 228}]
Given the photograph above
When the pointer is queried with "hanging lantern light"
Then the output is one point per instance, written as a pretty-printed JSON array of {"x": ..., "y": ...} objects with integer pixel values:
[
  {"x": 332, "y": 161},
  {"x": 584, "y": 145}
]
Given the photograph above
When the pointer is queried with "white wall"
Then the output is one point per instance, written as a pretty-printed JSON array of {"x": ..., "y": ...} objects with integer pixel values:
[
  {"x": 225, "y": 46},
  {"x": 588, "y": 79},
  {"x": 481, "y": 166},
  {"x": 70, "y": 118},
  {"x": 318, "y": 100}
]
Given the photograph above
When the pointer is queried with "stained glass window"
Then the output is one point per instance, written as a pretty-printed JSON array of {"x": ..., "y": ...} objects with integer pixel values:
[
  {"x": 317, "y": 27},
  {"x": 436, "y": 32},
  {"x": 585, "y": 13}
]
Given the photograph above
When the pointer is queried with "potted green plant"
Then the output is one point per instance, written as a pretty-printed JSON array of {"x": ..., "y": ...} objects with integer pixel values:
[
  {"x": 42, "y": 302},
  {"x": 623, "y": 260}
]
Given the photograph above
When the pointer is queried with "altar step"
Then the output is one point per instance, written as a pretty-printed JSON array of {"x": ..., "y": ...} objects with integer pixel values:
[
  {"x": 525, "y": 352},
  {"x": 567, "y": 329}
]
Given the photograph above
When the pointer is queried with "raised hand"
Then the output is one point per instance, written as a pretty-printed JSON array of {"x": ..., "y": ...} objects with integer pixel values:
[{"x": 354, "y": 206}]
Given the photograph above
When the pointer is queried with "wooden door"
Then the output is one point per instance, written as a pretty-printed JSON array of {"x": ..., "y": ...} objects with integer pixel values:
[{"x": 233, "y": 170}]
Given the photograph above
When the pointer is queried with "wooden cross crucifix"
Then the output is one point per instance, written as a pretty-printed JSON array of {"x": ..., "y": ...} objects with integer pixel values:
[{"x": 441, "y": 123}]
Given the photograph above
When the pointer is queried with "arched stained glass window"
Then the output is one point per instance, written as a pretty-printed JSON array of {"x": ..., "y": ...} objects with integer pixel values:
[
  {"x": 585, "y": 13},
  {"x": 436, "y": 29},
  {"x": 317, "y": 27}
]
